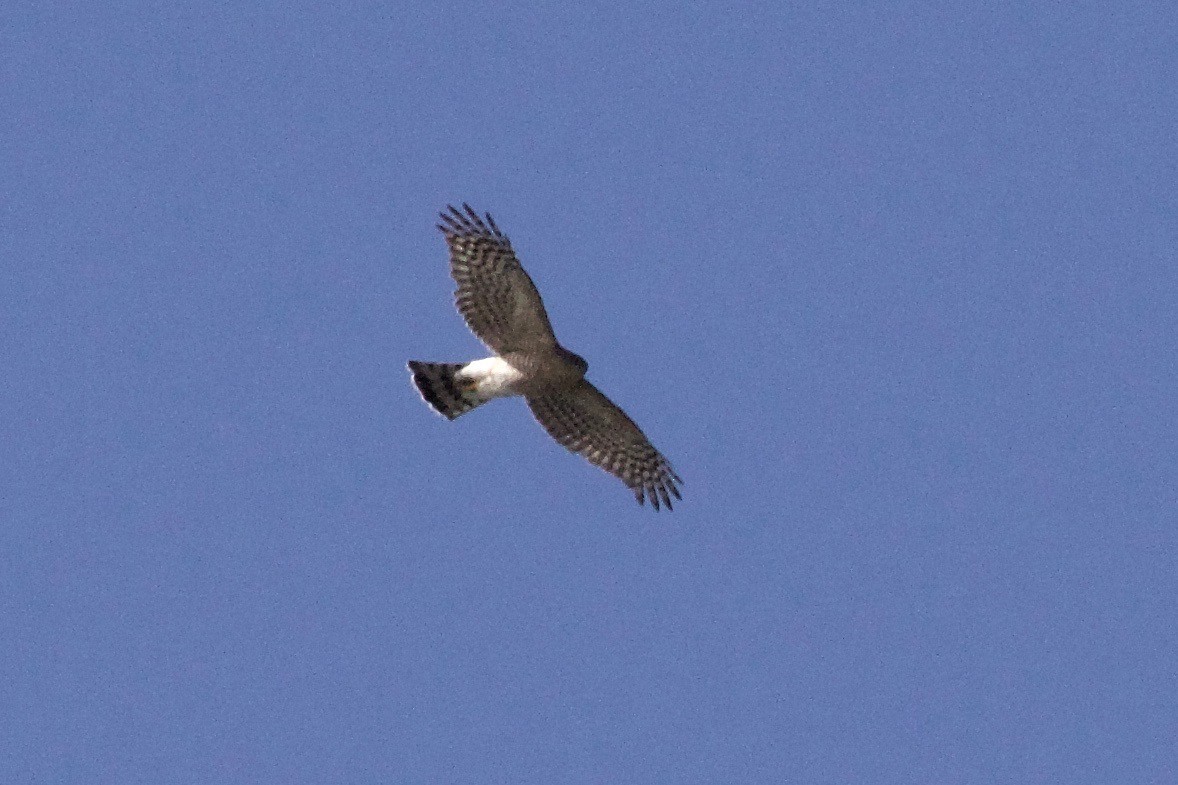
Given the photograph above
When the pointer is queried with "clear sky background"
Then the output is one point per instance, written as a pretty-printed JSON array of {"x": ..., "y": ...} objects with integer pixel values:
[{"x": 893, "y": 287}]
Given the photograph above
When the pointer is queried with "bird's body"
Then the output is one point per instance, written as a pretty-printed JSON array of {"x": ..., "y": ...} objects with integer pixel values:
[
  {"x": 495, "y": 377},
  {"x": 503, "y": 308}
]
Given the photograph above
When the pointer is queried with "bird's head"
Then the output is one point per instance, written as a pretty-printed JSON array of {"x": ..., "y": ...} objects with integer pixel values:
[{"x": 576, "y": 360}]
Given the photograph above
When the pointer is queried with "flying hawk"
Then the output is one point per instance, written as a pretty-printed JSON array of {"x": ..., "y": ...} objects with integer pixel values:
[{"x": 503, "y": 309}]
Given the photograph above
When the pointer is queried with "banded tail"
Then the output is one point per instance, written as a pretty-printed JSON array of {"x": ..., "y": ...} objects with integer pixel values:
[{"x": 441, "y": 388}]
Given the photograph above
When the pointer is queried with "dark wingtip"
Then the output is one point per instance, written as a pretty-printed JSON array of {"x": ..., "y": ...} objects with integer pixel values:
[
  {"x": 451, "y": 221},
  {"x": 455, "y": 223},
  {"x": 659, "y": 491}
]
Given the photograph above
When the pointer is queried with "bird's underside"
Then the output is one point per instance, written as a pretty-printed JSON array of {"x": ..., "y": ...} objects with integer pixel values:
[{"x": 503, "y": 309}]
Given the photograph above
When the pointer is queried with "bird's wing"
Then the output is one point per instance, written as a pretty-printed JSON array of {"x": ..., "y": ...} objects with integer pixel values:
[
  {"x": 586, "y": 422},
  {"x": 500, "y": 303}
]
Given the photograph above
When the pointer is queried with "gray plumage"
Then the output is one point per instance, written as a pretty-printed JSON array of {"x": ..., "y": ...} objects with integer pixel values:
[{"x": 503, "y": 308}]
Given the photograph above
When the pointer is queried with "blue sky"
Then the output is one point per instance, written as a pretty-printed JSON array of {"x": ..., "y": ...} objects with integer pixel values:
[{"x": 893, "y": 286}]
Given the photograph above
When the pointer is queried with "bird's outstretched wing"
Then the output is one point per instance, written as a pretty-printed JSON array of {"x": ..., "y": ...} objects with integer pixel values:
[
  {"x": 495, "y": 296},
  {"x": 586, "y": 422}
]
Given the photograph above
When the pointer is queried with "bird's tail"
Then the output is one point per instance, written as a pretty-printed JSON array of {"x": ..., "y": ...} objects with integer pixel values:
[{"x": 442, "y": 388}]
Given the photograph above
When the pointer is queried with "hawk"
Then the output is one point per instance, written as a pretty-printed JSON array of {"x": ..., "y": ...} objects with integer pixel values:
[{"x": 503, "y": 309}]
